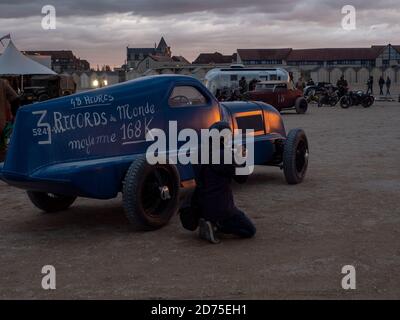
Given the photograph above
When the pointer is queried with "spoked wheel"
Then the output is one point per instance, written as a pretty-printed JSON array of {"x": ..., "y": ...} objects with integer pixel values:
[
  {"x": 345, "y": 102},
  {"x": 150, "y": 194},
  {"x": 368, "y": 101},
  {"x": 295, "y": 156},
  {"x": 334, "y": 101},
  {"x": 50, "y": 202}
]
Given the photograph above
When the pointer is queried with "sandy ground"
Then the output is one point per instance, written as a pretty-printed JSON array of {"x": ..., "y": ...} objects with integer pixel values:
[{"x": 345, "y": 212}]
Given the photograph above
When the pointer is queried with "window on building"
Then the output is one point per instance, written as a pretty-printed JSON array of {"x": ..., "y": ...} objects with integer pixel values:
[{"x": 185, "y": 96}]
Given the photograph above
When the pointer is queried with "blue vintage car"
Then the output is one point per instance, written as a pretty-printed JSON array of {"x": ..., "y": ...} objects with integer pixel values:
[{"x": 92, "y": 145}]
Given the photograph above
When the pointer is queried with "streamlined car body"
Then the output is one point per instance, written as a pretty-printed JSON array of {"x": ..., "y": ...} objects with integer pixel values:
[{"x": 93, "y": 144}]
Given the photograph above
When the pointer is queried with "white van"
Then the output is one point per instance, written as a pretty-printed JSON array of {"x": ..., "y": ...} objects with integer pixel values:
[{"x": 228, "y": 78}]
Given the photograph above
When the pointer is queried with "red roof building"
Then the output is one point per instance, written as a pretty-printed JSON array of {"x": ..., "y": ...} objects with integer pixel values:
[
  {"x": 374, "y": 56},
  {"x": 215, "y": 58}
]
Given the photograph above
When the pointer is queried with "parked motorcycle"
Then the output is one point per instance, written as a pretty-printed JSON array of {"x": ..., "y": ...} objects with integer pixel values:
[
  {"x": 329, "y": 97},
  {"x": 355, "y": 98},
  {"x": 313, "y": 96}
]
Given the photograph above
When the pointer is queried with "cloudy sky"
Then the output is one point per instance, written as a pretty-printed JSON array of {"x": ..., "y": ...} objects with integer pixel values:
[{"x": 100, "y": 30}]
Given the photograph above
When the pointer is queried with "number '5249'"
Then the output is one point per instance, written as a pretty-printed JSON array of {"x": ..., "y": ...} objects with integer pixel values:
[{"x": 40, "y": 131}]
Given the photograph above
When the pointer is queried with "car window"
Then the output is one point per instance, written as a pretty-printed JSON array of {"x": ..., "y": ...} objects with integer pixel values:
[
  {"x": 184, "y": 96},
  {"x": 250, "y": 120}
]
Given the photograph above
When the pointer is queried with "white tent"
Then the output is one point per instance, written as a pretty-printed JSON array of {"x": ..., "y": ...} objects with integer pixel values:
[{"x": 13, "y": 62}]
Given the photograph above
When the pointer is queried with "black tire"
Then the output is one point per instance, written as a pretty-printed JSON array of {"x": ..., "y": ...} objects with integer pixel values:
[
  {"x": 295, "y": 156},
  {"x": 345, "y": 102},
  {"x": 43, "y": 97},
  {"x": 50, "y": 202},
  {"x": 334, "y": 101},
  {"x": 150, "y": 194},
  {"x": 368, "y": 101},
  {"x": 301, "y": 105},
  {"x": 321, "y": 100}
]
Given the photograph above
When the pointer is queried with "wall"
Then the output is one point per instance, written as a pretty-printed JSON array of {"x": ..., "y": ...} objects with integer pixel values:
[{"x": 85, "y": 80}]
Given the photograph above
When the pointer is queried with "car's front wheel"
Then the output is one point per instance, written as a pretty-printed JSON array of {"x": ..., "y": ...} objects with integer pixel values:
[
  {"x": 295, "y": 156},
  {"x": 50, "y": 202},
  {"x": 150, "y": 194}
]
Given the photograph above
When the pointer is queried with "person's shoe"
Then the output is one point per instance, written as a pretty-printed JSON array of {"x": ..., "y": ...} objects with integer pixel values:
[{"x": 207, "y": 231}]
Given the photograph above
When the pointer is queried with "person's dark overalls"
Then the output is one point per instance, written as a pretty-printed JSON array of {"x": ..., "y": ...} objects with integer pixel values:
[{"x": 212, "y": 207}]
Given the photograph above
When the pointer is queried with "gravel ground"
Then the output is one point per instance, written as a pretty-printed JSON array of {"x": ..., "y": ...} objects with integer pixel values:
[{"x": 345, "y": 212}]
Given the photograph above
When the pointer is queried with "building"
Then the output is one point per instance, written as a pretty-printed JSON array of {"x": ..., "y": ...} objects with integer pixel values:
[
  {"x": 215, "y": 58},
  {"x": 157, "y": 62},
  {"x": 264, "y": 57},
  {"x": 375, "y": 56},
  {"x": 62, "y": 60},
  {"x": 328, "y": 64},
  {"x": 136, "y": 55}
]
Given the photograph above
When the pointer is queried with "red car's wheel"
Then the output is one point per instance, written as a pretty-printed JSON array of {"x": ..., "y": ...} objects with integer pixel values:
[{"x": 301, "y": 105}]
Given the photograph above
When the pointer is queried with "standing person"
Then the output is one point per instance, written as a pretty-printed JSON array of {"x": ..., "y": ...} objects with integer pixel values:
[
  {"x": 370, "y": 84},
  {"x": 342, "y": 86},
  {"x": 253, "y": 84},
  {"x": 212, "y": 207},
  {"x": 381, "y": 84},
  {"x": 300, "y": 84},
  {"x": 388, "y": 84},
  {"x": 7, "y": 98},
  {"x": 243, "y": 85}
]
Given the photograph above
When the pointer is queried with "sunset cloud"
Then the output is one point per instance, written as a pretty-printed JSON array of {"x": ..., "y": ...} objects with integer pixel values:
[{"x": 100, "y": 30}]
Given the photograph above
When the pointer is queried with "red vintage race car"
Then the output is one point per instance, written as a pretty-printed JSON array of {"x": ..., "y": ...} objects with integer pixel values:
[{"x": 280, "y": 94}]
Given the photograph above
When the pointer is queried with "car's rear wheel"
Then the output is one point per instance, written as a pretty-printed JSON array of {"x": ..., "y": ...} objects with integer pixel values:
[
  {"x": 50, "y": 202},
  {"x": 150, "y": 194},
  {"x": 301, "y": 105},
  {"x": 295, "y": 156}
]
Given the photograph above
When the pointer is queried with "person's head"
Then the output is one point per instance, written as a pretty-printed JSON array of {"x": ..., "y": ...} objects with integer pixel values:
[
  {"x": 243, "y": 78},
  {"x": 342, "y": 77}
]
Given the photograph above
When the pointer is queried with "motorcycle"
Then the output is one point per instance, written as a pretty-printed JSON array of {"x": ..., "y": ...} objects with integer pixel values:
[
  {"x": 329, "y": 97},
  {"x": 355, "y": 98},
  {"x": 313, "y": 96}
]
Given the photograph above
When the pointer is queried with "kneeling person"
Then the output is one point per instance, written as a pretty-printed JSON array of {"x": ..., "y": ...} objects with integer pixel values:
[{"x": 212, "y": 207}]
